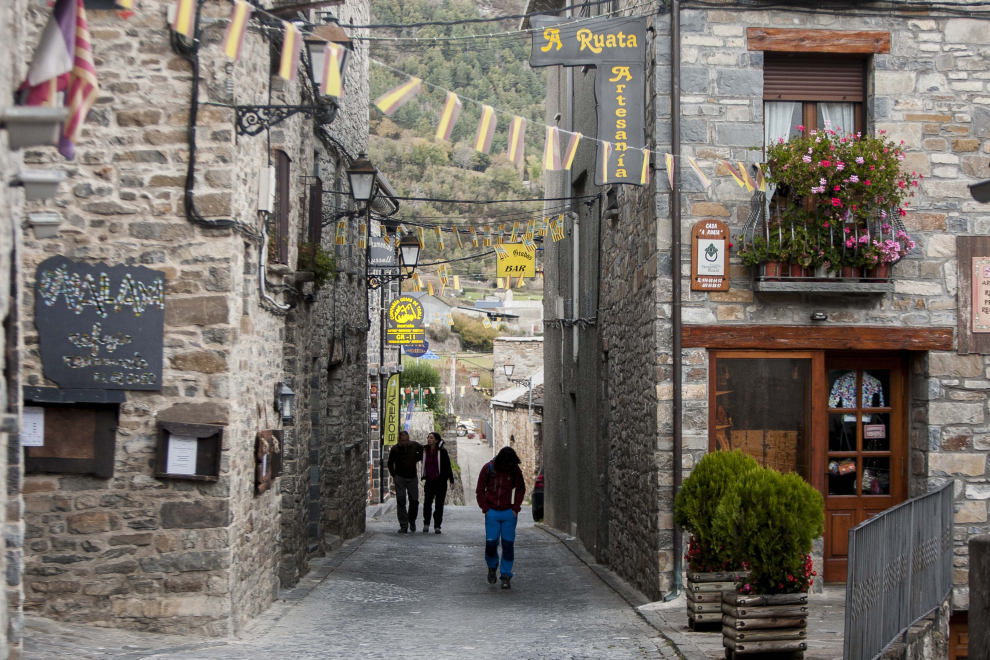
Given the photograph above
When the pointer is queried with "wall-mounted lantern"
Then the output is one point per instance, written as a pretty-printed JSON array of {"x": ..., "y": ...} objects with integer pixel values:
[
  {"x": 508, "y": 367},
  {"x": 475, "y": 380},
  {"x": 285, "y": 402}
]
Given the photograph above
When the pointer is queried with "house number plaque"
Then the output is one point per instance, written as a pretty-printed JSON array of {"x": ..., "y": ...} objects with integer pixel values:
[{"x": 709, "y": 256}]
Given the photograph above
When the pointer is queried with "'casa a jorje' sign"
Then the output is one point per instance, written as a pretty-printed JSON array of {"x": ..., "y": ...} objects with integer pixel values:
[
  {"x": 617, "y": 48},
  {"x": 100, "y": 327}
]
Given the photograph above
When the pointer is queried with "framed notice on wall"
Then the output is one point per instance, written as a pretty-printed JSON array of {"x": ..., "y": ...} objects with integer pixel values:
[
  {"x": 188, "y": 451},
  {"x": 710, "y": 256},
  {"x": 973, "y": 294}
]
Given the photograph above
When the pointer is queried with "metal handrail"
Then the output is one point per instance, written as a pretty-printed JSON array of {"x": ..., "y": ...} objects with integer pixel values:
[{"x": 899, "y": 571}]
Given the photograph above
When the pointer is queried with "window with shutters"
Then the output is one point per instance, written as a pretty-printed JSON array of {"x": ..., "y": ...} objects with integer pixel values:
[
  {"x": 813, "y": 90},
  {"x": 278, "y": 227}
]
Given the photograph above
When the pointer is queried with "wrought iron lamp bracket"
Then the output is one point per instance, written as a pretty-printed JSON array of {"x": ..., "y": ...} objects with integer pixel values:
[
  {"x": 377, "y": 280},
  {"x": 253, "y": 119}
]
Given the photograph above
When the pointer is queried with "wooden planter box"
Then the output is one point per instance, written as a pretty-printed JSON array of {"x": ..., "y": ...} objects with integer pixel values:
[
  {"x": 770, "y": 626},
  {"x": 704, "y": 597}
]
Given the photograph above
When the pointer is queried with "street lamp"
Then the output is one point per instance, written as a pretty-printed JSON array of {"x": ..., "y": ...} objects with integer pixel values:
[
  {"x": 508, "y": 368},
  {"x": 475, "y": 380},
  {"x": 409, "y": 252},
  {"x": 363, "y": 176}
]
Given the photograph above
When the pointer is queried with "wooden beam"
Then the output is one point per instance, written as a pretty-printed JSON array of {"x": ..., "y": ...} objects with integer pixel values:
[
  {"x": 790, "y": 40},
  {"x": 818, "y": 337}
]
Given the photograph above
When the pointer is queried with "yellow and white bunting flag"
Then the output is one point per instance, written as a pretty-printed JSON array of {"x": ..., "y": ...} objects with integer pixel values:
[
  {"x": 668, "y": 160},
  {"x": 644, "y": 177},
  {"x": 185, "y": 17},
  {"x": 557, "y": 228},
  {"x": 761, "y": 179},
  {"x": 332, "y": 84},
  {"x": 517, "y": 139},
  {"x": 442, "y": 289},
  {"x": 735, "y": 175},
  {"x": 501, "y": 251},
  {"x": 530, "y": 245},
  {"x": 485, "y": 322},
  {"x": 515, "y": 232},
  {"x": 402, "y": 231},
  {"x": 531, "y": 229},
  {"x": 362, "y": 235},
  {"x": 501, "y": 233},
  {"x": 521, "y": 282},
  {"x": 551, "y": 150},
  {"x": 436, "y": 317},
  {"x": 430, "y": 289},
  {"x": 474, "y": 236},
  {"x": 457, "y": 282},
  {"x": 385, "y": 237},
  {"x": 395, "y": 98},
  {"x": 746, "y": 177},
  {"x": 457, "y": 235},
  {"x": 420, "y": 234},
  {"x": 544, "y": 227},
  {"x": 447, "y": 387},
  {"x": 462, "y": 390},
  {"x": 486, "y": 129},
  {"x": 439, "y": 237},
  {"x": 444, "y": 277},
  {"x": 451, "y": 112},
  {"x": 701, "y": 175},
  {"x": 341, "y": 238},
  {"x": 450, "y": 321},
  {"x": 488, "y": 235},
  {"x": 572, "y": 146},
  {"x": 292, "y": 42},
  {"x": 233, "y": 38},
  {"x": 500, "y": 283}
]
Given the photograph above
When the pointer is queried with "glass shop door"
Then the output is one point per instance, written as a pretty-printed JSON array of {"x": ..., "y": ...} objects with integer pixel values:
[{"x": 866, "y": 452}]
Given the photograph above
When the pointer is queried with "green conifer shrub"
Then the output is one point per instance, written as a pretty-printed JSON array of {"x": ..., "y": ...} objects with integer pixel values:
[
  {"x": 770, "y": 520},
  {"x": 697, "y": 500}
]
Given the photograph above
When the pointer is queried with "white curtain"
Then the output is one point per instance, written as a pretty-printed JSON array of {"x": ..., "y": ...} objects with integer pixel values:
[
  {"x": 838, "y": 115},
  {"x": 777, "y": 118}
]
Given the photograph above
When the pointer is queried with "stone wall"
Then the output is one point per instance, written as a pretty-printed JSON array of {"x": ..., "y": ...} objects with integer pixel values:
[
  {"x": 13, "y": 65},
  {"x": 526, "y": 353},
  {"x": 170, "y": 555},
  {"x": 514, "y": 428}
]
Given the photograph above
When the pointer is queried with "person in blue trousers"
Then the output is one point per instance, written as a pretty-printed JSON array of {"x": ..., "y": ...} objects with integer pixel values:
[{"x": 500, "y": 494}]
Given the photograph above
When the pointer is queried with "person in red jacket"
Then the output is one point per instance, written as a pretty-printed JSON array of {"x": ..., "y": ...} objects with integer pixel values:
[{"x": 496, "y": 483}]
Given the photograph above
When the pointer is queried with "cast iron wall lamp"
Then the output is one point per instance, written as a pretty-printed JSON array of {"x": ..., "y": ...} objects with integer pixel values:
[
  {"x": 253, "y": 119},
  {"x": 285, "y": 404}
]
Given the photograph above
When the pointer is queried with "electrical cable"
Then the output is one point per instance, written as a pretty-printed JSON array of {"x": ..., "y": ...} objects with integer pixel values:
[
  {"x": 466, "y": 21},
  {"x": 476, "y": 201},
  {"x": 898, "y": 8}
]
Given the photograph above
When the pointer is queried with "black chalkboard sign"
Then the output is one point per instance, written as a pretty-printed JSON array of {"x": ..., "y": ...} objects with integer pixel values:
[{"x": 100, "y": 327}]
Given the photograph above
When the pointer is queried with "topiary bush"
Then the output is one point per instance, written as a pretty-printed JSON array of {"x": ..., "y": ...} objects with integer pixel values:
[
  {"x": 697, "y": 500},
  {"x": 770, "y": 521}
]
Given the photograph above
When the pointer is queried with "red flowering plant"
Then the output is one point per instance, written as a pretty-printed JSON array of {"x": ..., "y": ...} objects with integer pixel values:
[
  {"x": 770, "y": 521},
  {"x": 856, "y": 187}
]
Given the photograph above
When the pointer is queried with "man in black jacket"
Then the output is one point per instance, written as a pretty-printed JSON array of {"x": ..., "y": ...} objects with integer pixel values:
[{"x": 402, "y": 461}]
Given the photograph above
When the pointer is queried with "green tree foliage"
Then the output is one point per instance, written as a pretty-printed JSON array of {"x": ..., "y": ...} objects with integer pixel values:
[
  {"x": 423, "y": 375},
  {"x": 493, "y": 71},
  {"x": 697, "y": 500},
  {"x": 770, "y": 520},
  {"x": 474, "y": 335}
]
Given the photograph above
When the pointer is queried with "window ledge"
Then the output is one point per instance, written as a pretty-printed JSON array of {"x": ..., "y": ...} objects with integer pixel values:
[{"x": 837, "y": 285}]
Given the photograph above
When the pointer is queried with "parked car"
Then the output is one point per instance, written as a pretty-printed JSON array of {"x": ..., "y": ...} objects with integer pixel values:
[{"x": 537, "y": 498}]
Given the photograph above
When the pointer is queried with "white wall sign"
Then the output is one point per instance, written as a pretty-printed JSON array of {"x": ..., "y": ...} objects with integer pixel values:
[
  {"x": 181, "y": 454},
  {"x": 33, "y": 433}
]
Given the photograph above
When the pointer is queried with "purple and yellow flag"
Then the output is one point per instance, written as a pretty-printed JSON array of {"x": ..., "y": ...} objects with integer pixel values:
[
  {"x": 486, "y": 129},
  {"x": 291, "y": 43},
  {"x": 521, "y": 282},
  {"x": 394, "y": 99},
  {"x": 457, "y": 281},
  {"x": 457, "y": 235},
  {"x": 233, "y": 39},
  {"x": 572, "y": 146},
  {"x": 515, "y": 232},
  {"x": 420, "y": 234},
  {"x": 449, "y": 116},
  {"x": 517, "y": 139},
  {"x": 500, "y": 283},
  {"x": 551, "y": 150},
  {"x": 430, "y": 289},
  {"x": 185, "y": 17},
  {"x": 732, "y": 171},
  {"x": 746, "y": 177},
  {"x": 331, "y": 82}
]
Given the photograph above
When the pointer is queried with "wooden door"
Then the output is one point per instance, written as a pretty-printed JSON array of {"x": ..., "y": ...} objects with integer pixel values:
[{"x": 865, "y": 442}]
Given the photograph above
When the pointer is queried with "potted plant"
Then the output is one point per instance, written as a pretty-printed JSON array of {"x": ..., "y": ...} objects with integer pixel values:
[
  {"x": 770, "y": 520},
  {"x": 710, "y": 566}
]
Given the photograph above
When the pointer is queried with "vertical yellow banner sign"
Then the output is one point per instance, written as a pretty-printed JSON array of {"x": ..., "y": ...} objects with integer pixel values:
[{"x": 392, "y": 411}]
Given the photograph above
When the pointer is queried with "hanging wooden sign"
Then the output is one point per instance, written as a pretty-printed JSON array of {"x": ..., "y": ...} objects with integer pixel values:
[{"x": 710, "y": 256}]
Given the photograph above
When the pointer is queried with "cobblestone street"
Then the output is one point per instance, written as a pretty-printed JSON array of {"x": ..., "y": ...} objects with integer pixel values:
[{"x": 411, "y": 596}]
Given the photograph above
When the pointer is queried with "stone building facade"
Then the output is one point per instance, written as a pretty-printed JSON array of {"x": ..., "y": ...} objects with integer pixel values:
[
  {"x": 12, "y": 67},
  {"x": 517, "y": 422},
  {"x": 608, "y": 415},
  {"x": 172, "y": 555},
  {"x": 524, "y": 353}
]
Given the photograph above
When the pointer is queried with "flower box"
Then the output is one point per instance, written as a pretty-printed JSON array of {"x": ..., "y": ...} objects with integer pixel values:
[
  {"x": 765, "y": 625},
  {"x": 704, "y": 597}
]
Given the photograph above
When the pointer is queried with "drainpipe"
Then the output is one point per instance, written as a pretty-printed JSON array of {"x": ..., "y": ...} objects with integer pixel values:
[
  {"x": 675, "y": 270},
  {"x": 575, "y": 284}
]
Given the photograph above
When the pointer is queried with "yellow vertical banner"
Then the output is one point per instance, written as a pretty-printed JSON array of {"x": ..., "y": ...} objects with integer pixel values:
[{"x": 392, "y": 411}]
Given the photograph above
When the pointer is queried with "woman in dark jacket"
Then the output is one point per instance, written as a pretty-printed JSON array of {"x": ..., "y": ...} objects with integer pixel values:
[
  {"x": 436, "y": 474},
  {"x": 496, "y": 483}
]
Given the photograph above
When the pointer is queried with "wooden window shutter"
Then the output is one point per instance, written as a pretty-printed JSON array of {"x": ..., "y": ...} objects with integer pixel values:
[
  {"x": 281, "y": 228},
  {"x": 813, "y": 77},
  {"x": 315, "y": 217}
]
